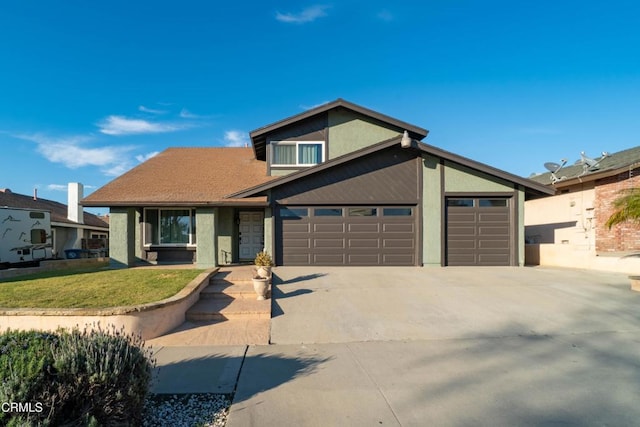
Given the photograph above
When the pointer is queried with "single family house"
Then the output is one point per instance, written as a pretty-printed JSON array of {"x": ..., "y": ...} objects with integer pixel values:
[
  {"x": 71, "y": 226},
  {"x": 338, "y": 184},
  {"x": 568, "y": 229}
]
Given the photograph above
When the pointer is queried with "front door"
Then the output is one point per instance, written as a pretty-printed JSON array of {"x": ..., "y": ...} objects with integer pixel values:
[{"x": 251, "y": 234}]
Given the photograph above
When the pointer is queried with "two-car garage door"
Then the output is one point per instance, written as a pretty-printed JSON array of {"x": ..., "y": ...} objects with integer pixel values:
[
  {"x": 347, "y": 235},
  {"x": 478, "y": 231}
]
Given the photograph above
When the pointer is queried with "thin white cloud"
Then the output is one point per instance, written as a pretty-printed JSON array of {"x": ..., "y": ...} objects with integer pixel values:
[
  {"x": 144, "y": 157},
  {"x": 309, "y": 14},
  {"x": 186, "y": 114},
  {"x": 73, "y": 153},
  {"x": 57, "y": 187},
  {"x": 65, "y": 188},
  {"x": 119, "y": 125},
  {"x": 234, "y": 138},
  {"x": 151, "y": 110}
]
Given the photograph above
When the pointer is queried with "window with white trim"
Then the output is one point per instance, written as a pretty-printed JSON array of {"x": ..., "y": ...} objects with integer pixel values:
[
  {"x": 169, "y": 227},
  {"x": 297, "y": 153}
]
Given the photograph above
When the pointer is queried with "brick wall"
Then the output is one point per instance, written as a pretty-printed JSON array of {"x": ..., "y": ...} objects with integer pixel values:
[{"x": 622, "y": 237}]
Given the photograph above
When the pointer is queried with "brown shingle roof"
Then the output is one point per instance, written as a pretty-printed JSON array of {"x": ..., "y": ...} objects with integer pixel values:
[
  {"x": 58, "y": 211},
  {"x": 187, "y": 177}
]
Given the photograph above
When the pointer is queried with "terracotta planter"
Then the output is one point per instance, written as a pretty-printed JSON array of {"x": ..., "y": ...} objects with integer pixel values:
[
  {"x": 261, "y": 286},
  {"x": 635, "y": 283}
]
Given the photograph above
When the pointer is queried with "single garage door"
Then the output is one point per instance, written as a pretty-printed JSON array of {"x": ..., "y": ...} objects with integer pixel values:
[
  {"x": 478, "y": 231},
  {"x": 347, "y": 235}
]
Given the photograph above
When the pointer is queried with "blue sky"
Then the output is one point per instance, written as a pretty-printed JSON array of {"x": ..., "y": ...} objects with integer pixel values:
[{"x": 91, "y": 89}]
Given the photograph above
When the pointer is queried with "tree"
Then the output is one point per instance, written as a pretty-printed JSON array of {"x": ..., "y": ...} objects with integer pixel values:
[{"x": 627, "y": 207}]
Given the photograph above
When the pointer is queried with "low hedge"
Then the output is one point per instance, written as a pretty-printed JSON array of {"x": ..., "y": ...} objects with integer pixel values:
[{"x": 90, "y": 377}]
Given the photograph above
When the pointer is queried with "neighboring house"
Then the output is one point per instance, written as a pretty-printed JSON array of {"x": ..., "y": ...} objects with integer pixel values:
[
  {"x": 70, "y": 225},
  {"x": 568, "y": 229},
  {"x": 336, "y": 185}
]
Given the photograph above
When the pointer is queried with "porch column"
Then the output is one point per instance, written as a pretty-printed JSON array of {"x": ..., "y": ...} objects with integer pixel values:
[
  {"x": 206, "y": 237},
  {"x": 122, "y": 237}
]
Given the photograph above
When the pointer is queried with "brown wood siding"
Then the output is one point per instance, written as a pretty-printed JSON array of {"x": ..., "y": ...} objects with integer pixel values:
[{"x": 387, "y": 176}]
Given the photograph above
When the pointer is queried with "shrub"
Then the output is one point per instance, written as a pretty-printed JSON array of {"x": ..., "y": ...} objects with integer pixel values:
[
  {"x": 27, "y": 375},
  {"x": 263, "y": 259},
  {"x": 90, "y": 377}
]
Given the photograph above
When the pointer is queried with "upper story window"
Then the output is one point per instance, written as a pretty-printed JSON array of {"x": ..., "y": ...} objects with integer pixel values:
[{"x": 297, "y": 153}]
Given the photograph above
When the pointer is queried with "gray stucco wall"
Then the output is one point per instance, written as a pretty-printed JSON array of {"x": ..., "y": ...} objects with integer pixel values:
[
  {"x": 459, "y": 178},
  {"x": 349, "y": 131},
  {"x": 122, "y": 233},
  {"x": 206, "y": 237},
  {"x": 432, "y": 232},
  {"x": 521, "y": 234},
  {"x": 268, "y": 232},
  {"x": 226, "y": 233}
]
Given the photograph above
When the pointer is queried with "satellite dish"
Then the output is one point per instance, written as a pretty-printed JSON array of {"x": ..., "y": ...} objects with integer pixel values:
[
  {"x": 589, "y": 164},
  {"x": 552, "y": 166}
]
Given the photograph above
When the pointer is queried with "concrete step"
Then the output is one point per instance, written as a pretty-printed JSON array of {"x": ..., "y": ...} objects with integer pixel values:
[
  {"x": 229, "y": 308},
  {"x": 224, "y": 288},
  {"x": 216, "y": 332}
]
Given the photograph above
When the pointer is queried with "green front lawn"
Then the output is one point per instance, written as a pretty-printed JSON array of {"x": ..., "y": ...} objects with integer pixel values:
[{"x": 94, "y": 289}]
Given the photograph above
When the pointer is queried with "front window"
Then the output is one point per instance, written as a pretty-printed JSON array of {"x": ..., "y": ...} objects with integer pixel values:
[
  {"x": 297, "y": 153},
  {"x": 171, "y": 227}
]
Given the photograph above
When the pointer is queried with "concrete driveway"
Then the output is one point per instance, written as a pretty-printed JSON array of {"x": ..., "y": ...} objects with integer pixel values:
[
  {"x": 445, "y": 347},
  {"x": 379, "y": 304}
]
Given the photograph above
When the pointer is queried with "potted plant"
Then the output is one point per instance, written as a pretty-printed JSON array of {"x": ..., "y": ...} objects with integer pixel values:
[
  {"x": 627, "y": 208},
  {"x": 263, "y": 263},
  {"x": 261, "y": 286}
]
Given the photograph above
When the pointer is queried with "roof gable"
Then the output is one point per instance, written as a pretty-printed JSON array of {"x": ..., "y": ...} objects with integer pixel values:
[
  {"x": 531, "y": 187},
  {"x": 259, "y": 136}
]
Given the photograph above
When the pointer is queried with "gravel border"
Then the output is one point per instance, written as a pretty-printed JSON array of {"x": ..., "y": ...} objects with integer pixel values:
[{"x": 188, "y": 410}]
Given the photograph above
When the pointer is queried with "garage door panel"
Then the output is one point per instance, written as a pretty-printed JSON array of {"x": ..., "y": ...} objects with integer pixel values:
[
  {"x": 463, "y": 244},
  {"x": 328, "y": 243},
  {"x": 297, "y": 243},
  {"x": 364, "y": 228},
  {"x": 398, "y": 243},
  {"x": 455, "y": 230},
  {"x": 328, "y": 259},
  {"x": 398, "y": 228},
  {"x": 297, "y": 227},
  {"x": 297, "y": 258},
  {"x": 364, "y": 259},
  {"x": 494, "y": 217},
  {"x": 364, "y": 243},
  {"x": 455, "y": 217},
  {"x": 493, "y": 244},
  {"x": 493, "y": 231},
  {"x": 328, "y": 228},
  {"x": 493, "y": 259},
  {"x": 398, "y": 259}
]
